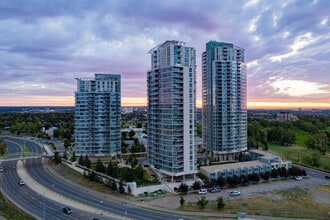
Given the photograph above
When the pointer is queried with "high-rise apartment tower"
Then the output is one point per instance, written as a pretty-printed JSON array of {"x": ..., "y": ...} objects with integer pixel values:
[
  {"x": 98, "y": 116},
  {"x": 224, "y": 112},
  {"x": 172, "y": 109}
]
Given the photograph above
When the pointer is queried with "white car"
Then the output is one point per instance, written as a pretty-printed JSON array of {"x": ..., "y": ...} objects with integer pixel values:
[
  {"x": 21, "y": 183},
  {"x": 235, "y": 193},
  {"x": 202, "y": 191},
  {"x": 299, "y": 178}
]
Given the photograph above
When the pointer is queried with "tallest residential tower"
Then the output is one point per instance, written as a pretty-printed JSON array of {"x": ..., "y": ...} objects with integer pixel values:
[
  {"x": 171, "y": 109},
  {"x": 224, "y": 101}
]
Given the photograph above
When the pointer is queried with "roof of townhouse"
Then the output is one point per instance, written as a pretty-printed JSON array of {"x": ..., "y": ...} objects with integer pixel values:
[{"x": 228, "y": 166}]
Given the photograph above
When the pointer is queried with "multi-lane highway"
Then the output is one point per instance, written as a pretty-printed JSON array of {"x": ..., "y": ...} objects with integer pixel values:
[
  {"x": 23, "y": 196},
  {"x": 44, "y": 208}
]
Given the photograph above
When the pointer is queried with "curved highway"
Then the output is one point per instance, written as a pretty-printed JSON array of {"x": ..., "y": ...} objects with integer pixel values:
[
  {"x": 35, "y": 203},
  {"x": 36, "y": 170}
]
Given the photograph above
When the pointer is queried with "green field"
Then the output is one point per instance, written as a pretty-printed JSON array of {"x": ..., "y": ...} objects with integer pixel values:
[{"x": 298, "y": 154}]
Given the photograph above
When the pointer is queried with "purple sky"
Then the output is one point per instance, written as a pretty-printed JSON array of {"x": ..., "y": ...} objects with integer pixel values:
[{"x": 45, "y": 45}]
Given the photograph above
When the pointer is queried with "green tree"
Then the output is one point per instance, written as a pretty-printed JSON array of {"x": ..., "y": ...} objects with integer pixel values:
[
  {"x": 73, "y": 158},
  {"x": 121, "y": 187},
  {"x": 220, "y": 203},
  {"x": 92, "y": 176},
  {"x": 99, "y": 167},
  {"x": 88, "y": 162},
  {"x": 57, "y": 157},
  {"x": 322, "y": 142},
  {"x": 202, "y": 202},
  {"x": 65, "y": 154},
  {"x": 81, "y": 160},
  {"x": 113, "y": 185},
  {"x": 131, "y": 134},
  {"x": 110, "y": 169},
  {"x": 183, "y": 188}
]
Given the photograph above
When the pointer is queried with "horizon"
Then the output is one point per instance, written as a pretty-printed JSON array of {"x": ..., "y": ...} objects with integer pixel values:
[{"x": 145, "y": 106}]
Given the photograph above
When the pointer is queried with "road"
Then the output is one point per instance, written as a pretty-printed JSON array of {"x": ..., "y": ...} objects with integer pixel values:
[
  {"x": 78, "y": 196},
  {"x": 98, "y": 203},
  {"x": 32, "y": 202}
]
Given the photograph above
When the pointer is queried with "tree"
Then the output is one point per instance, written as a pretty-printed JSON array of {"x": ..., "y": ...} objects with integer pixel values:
[
  {"x": 99, "y": 166},
  {"x": 113, "y": 185},
  {"x": 57, "y": 157},
  {"x": 131, "y": 134},
  {"x": 87, "y": 161},
  {"x": 134, "y": 162},
  {"x": 73, "y": 158},
  {"x": 220, "y": 203},
  {"x": 322, "y": 142},
  {"x": 121, "y": 187},
  {"x": 183, "y": 188},
  {"x": 182, "y": 201},
  {"x": 110, "y": 169},
  {"x": 283, "y": 172},
  {"x": 81, "y": 160},
  {"x": 197, "y": 185},
  {"x": 65, "y": 154},
  {"x": 265, "y": 175},
  {"x": 202, "y": 202},
  {"x": 221, "y": 181},
  {"x": 130, "y": 175},
  {"x": 92, "y": 176},
  {"x": 274, "y": 173}
]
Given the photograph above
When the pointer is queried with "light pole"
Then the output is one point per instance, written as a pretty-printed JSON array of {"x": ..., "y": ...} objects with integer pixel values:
[
  {"x": 241, "y": 214},
  {"x": 44, "y": 207}
]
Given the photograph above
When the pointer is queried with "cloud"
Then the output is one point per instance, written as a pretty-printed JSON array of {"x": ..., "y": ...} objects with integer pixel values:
[
  {"x": 44, "y": 45},
  {"x": 297, "y": 88}
]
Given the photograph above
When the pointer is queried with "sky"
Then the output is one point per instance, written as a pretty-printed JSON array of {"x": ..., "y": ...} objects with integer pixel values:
[{"x": 45, "y": 45}]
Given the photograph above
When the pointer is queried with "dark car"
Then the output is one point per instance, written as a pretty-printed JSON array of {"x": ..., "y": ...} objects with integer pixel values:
[
  {"x": 67, "y": 210},
  {"x": 327, "y": 177}
]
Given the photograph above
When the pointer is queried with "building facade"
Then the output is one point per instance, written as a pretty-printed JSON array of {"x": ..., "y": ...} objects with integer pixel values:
[
  {"x": 224, "y": 114},
  {"x": 98, "y": 116},
  {"x": 262, "y": 162},
  {"x": 171, "y": 89}
]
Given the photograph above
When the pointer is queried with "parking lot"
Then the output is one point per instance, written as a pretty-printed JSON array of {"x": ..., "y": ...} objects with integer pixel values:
[{"x": 172, "y": 201}]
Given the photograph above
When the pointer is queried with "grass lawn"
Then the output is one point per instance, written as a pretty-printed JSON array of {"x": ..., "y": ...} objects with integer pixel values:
[
  {"x": 292, "y": 203},
  {"x": 296, "y": 153},
  {"x": 301, "y": 137}
]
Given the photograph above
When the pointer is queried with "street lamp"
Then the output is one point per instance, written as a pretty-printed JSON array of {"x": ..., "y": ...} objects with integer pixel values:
[
  {"x": 44, "y": 207},
  {"x": 241, "y": 214}
]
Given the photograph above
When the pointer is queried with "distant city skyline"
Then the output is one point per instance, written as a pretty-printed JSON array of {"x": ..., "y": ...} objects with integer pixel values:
[{"x": 45, "y": 45}]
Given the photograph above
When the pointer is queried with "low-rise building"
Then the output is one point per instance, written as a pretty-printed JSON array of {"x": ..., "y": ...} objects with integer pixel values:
[{"x": 262, "y": 162}]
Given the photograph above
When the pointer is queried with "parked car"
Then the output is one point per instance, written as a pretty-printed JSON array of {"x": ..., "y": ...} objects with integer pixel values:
[
  {"x": 21, "y": 182},
  {"x": 1, "y": 169},
  {"x": 202, "y": 191},
  {"x": 299, "y": 178},
  {"x": 215, "y": 190},
  {"x": 67, "y": 210},
  {"x": 235, "y": 193}
]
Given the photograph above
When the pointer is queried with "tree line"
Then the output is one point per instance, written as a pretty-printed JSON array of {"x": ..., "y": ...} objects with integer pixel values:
[{"x": 261, "y": 132}]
